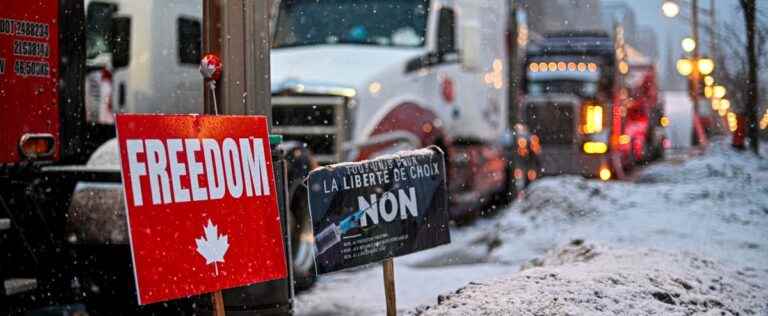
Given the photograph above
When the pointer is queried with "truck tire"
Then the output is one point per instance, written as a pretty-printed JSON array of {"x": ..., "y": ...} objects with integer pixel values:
[{"x": 299, "y": 163}]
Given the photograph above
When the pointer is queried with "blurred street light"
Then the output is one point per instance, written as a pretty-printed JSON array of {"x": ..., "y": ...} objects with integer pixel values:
[
  {"x": 684, "y": 66},
  {"x": 719, "y": 92},
  {"x": 725, "y": 104},
  {"x": 670, "y": 9},
  {"x": 706, "y": 66},
  {"x": 732, "y": 122},
  {"x": 708, "y": 92},
  {"x": 709, "y": 81},
  {"x": 688, "y": 44}
]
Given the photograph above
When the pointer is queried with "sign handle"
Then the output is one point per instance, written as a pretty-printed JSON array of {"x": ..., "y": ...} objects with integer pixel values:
[
  {"x": 218, "y": 303},
  {"x": 389, "y": 286}
]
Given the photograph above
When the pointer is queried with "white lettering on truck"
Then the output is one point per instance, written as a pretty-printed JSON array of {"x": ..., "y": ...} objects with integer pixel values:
[{"x": 226, "y": 167}]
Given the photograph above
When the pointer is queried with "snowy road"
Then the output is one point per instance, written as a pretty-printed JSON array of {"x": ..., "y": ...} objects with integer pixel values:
[{"x": 714, "y": 206}]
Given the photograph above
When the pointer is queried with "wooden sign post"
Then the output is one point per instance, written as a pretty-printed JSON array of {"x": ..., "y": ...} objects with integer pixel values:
[
  {"x": 389, "y": 286},
  {"x": 218, "y": 304}
]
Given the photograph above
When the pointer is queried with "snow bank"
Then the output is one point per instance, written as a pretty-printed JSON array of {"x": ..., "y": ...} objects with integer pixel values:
[
  {"x": 719, "y": 163},
  {"x": 684, "y": 238},
  {"x": 592, "y": 280}
]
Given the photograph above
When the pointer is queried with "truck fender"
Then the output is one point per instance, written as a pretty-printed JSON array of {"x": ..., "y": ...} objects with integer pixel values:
[{"x": 407, "y": 123}]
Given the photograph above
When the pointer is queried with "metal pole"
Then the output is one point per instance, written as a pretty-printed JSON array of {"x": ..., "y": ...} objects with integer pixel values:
[
  {"x": 696, "y": 75},
  {"x": 211, "y": 44},
  {"x": 712, "y": 31},
  {"x": 238, "y": 31}
]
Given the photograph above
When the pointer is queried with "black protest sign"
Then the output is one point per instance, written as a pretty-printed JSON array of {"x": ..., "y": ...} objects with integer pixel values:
[{"x": 368, "y": 211}]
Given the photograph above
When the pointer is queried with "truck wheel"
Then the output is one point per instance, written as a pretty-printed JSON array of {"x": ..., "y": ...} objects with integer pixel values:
[
  {"x": 299, "y": 163},
  {"x": 302, "y": 239}
]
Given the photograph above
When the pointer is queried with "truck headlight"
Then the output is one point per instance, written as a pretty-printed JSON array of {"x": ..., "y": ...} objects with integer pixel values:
[
  {"x": 593, "y": 119},
  {"x": 595, "y": 147}
]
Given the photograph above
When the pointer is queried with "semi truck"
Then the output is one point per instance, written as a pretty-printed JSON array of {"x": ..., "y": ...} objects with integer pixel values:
[
  {"x": 404, "y": 74},
  {"x": 645, "y": 119},
  {"x": 575, "y": 102},
  {"x": 63, "y": 235}
]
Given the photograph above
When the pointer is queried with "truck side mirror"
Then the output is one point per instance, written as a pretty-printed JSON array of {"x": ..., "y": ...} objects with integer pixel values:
[
  {"x": 470, "y": 46},
  {"x": 121, "y": 42}
]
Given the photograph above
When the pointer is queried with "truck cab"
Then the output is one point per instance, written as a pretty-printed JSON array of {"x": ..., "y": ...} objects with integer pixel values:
[
  {"x": 393, "y": 75},
  {"x": 575, "y": 104}
]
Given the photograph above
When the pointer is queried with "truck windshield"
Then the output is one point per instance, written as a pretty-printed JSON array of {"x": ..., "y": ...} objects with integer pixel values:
[
  {"x": 98, "y": 27},
  {"x": 375, "y": 22}
]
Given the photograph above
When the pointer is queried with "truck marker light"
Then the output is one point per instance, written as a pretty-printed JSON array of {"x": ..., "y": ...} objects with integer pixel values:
[
  {"x": 426, "y": 128},
  {"x": 664, "y": 121},
  {"x": 624, "y": 139},
  {"x": 532, "y": 175},
  {"x": 522, "y": 142},
  {"x": 518, "y": 173},
  {"x": 535, "y": 144},
  {"x": 36, "y": 145},
  {"x": 624, "y": 68},
  {"x": 595, "y": 148},
  {"x": 605, "y": 174},
  {"x": 374, "y": 88}
]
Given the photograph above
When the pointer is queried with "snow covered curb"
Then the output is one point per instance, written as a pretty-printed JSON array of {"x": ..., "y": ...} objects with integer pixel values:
[{"x": 592, "y": 280}]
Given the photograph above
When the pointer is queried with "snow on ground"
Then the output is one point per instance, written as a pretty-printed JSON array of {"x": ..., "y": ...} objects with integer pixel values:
[
  {"x": 589, "y": 280},
  {"x": 712, "y": 208}
]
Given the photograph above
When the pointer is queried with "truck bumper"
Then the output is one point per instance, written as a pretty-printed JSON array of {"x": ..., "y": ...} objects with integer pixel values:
[{"x": 570, "y": 159}]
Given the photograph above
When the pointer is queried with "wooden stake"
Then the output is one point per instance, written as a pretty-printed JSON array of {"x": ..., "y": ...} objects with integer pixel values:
[
  {"x": 218, "y": 304},
  {"x": 389, "y": 286}
]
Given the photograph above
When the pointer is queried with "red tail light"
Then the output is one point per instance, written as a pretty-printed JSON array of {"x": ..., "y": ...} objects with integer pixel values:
[
  {"x": 36, "y": 146},
  {"x": 106, "y": 81}
]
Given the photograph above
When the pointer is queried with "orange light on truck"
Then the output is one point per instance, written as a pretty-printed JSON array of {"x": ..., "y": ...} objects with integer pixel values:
[
  {"x": 532, "y": 175},
  {"x": 605, "y": 174},
  {"x": 624, "y": 139},
  {"x": 593, "y": 119},
  {"x": 535, "y": 144},
  {"x": 664, "y": 121},
  {"x": 595, "y": 148},
  {"x": 36, "y": 146}
]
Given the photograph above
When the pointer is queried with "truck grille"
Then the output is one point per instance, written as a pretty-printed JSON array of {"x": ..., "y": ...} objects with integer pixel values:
[
  {"x": 318, "y": 121},
  {"x": 554, "y": 123}
]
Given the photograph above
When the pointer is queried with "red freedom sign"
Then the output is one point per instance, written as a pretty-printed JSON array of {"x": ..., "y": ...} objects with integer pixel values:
[{"x": 201, "y": 203}]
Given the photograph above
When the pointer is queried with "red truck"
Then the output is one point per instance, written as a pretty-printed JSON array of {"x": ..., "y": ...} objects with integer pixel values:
[
  {"x": 46, "y": 267},
  {"x": 645, "y": 118},
  {"x": 41, "y": 122}
]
